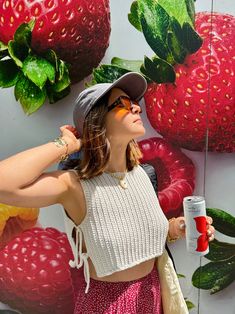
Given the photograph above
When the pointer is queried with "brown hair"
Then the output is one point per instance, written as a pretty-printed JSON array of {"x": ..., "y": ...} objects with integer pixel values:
[{"x": 96, "y": 146}]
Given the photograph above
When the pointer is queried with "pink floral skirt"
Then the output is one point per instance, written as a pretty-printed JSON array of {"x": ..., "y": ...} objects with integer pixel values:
[{"x": 140, "y": 296}]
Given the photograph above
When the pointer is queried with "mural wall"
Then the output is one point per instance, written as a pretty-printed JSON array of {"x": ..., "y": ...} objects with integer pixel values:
[{"x": 189, "y": 114}]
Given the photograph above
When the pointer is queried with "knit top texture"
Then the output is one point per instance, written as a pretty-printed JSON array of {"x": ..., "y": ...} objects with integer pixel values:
[{"x": 122, "y": 227}]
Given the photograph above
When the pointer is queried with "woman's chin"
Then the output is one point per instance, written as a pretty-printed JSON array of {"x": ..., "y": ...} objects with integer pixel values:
[{"x": 141, "y": 132}]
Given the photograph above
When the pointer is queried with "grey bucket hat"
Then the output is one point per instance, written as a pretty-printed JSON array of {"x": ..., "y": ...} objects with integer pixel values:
[{"x": 132, "y": 83}]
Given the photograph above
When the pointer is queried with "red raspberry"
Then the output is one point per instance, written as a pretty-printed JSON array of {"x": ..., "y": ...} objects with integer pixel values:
[
  {"x": 35, "y": 276},
  {"x": 175, "y": 173}
]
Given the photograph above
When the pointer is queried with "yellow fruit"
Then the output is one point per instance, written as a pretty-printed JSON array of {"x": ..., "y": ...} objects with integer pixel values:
[{"x": 18, "y": 219}]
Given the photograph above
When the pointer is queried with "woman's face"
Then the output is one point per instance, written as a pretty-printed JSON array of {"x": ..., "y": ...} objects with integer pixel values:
[{"x": 122, "y": 123}]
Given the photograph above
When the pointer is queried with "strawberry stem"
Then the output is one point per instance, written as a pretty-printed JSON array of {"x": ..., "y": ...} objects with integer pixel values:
[
  {"x": 168, "y": 30},
  {"x": 35, "y": 77}
]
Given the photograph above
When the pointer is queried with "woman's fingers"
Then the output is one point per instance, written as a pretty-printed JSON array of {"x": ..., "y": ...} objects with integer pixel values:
[
  {"x": 70, "y": 134},
  {"x": 211, "y": 238},
  {"x": 70, "y": 128},
  {"x": 210, "y": 233},
  {"x": 210, "y": 229},
  {"x": 209, "y": 220}
]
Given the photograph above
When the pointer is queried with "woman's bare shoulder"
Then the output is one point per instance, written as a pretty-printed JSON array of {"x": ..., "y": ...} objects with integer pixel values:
[{"x": 70, "y": 177}]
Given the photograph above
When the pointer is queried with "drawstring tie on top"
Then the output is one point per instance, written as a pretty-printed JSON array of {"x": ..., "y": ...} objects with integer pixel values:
[{"x": 83, "y": 257}]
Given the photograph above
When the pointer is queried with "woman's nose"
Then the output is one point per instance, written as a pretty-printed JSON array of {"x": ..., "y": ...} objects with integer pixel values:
[{"x": 135, "y": 109}]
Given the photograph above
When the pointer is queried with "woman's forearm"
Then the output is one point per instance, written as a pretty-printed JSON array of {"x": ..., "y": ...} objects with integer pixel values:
[{"x": 25, "y": 167}]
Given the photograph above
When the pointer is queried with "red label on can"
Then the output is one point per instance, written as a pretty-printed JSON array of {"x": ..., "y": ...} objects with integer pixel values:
[{"x": 202, "y": 241}]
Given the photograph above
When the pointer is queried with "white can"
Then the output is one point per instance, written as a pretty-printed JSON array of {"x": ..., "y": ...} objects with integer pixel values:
[{"x": 196, "y": 226}]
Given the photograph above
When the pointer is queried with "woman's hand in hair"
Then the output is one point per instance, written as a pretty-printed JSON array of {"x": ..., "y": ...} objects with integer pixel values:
[{"x": 70, "y": 135}]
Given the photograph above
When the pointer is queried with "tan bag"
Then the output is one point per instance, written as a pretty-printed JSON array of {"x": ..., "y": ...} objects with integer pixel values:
[{"x": 172, "y": 298}]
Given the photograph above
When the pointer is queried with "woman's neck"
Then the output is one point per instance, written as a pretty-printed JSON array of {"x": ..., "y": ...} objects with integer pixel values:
[{"x": 117, "y": 161}]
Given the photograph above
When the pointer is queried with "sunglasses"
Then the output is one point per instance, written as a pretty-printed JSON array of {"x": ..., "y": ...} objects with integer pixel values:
[{"x": 124, "y": 102}]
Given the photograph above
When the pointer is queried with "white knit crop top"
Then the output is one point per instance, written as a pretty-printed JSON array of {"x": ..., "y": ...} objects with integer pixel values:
[{"x": 122, "y": 227}]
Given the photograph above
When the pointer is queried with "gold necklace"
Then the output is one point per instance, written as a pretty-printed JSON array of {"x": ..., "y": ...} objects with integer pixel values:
[{"x": 122, "y": 179}]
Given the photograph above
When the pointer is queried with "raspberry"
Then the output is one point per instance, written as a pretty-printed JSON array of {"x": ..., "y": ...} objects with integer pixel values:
[{"x": 35, "y": 276}]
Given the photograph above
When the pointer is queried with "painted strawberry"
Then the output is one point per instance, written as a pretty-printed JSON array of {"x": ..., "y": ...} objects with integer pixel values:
[
  {"x": 191, "y": 77},
  {"x": 35, "y": 276},
  {"x": 203, "y": 95},
  {"x": 14, "y": 220},
  {"x": 175, "y": 173},
  {"x": 78, "y": 31}
]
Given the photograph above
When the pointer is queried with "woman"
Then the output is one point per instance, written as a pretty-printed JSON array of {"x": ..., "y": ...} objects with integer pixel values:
[{"x": 108, "y": 199}]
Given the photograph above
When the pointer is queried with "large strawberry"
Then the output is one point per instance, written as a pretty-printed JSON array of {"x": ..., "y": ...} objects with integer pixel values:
[
  {"x": 44, "y": 44},
  {"x": 191, "y": 92},
  {"x": 78, "y": 31},
  {"x": 203, "y": 95},
  {"x": 14, "y": 220},
  {"x": 35, "y": 276},
  {"x": 175, "y": 173}
]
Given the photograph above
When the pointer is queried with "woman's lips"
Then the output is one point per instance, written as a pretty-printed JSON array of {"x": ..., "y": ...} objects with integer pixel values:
[{"x": 138, "y": 120}]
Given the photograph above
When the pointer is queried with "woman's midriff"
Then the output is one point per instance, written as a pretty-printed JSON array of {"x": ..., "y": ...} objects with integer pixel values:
[{"x": 132, "y": 273}]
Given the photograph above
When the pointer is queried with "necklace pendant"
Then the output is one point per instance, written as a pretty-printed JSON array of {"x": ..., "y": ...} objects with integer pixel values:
[{"x": 123, "y": 183}]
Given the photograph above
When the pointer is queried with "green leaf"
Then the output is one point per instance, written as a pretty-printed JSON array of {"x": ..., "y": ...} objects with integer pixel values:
[
  {"x": 222, "y": 283},
  {"x": 3, "y": 50},
  {"x": 130, "y": 65},
  {"x": 214, "y": 275},
  {"x": 63, "y": 80},
  {"x": 23, "y": 34},
  {"x": 3, "y": 46},
  {"x": 191, "y": 10},
  {"x": 156, "y": 18},
  {"x": 180, "y": 276},
  {"x": 175, "y": 41},
  {"x": 30, "y": 96},
  {"x": 133, "y": 16},
  {"x": 158, "y": 70},
  {"x": 178, "y": 9},
  {"x": 51, "y": 56},
  {"x": 62, "y": 69},
  {"x": 107, "y": 74},
  {"x": 38, "y": 70},
  {"x": 220, "y": 251},
  {"x": 182, "y": 10},
  {"x": 167, "y": 27},
  {"x": 222, "y": 221},
  {"x": 190, "y": 305},
  {"x": 155, "y": 23},
  {"x": 8, "y": 73},
  {"x": 56, "y": 96},
  {"x": 17, "y": 52},
  {"x": 192, "y": 41}
]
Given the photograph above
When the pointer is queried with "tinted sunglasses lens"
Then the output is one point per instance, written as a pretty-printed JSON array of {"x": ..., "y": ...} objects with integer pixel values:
[{"x": 126, "y": 102}]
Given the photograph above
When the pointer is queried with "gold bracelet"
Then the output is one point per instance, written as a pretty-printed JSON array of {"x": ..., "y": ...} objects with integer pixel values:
[
  {"x": 59, "y": 142},
  {"x": 169, "y": 238}
]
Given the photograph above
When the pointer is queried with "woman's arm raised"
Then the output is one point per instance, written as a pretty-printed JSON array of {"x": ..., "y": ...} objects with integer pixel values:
[{"x": 22, "y": 181}]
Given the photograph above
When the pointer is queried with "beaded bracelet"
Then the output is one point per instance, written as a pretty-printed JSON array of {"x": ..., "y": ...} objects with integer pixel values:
[
  {"x": 169, "y": 238},
  {"x": 59, "y": 142}
]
